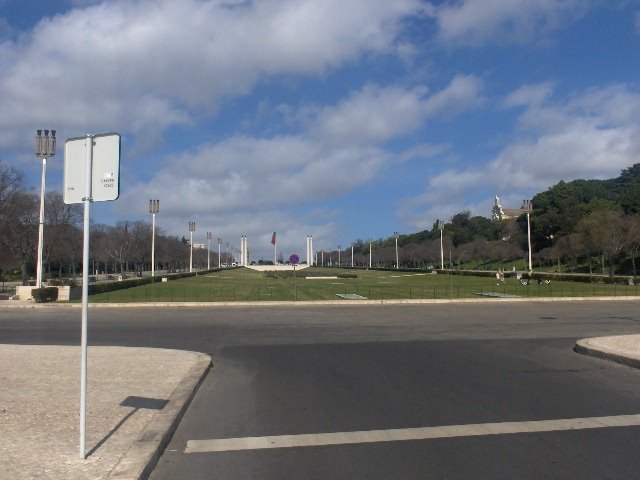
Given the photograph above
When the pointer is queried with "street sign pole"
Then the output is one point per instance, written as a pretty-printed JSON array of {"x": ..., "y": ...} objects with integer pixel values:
[
  {"x": 91, "y": 174},
  {"x": 85, "y": 295}
]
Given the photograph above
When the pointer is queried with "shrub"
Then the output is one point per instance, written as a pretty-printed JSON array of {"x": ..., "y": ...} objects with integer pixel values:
[{"x": 46, "y": 294}]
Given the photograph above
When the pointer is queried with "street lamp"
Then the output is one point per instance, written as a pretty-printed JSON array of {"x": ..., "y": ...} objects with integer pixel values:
[
  {"x": 45, "y": 148},
  {"x": 154, "y": 208},
  {"x": 192, "y": 228},
  {"x": 395, "y": 235},
  {"x": 219, "y": 244},
  {"x": 441, "y": 228},
  {"x": 209, "y": 251},
  {"x": 528, "y": 207}
]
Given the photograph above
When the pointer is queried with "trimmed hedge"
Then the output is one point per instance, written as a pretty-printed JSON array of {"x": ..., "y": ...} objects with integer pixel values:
[
  {"x": 45, "y": 294},
  {"x": 137, "y": 282},
  {"x": 542, "y": 276}
]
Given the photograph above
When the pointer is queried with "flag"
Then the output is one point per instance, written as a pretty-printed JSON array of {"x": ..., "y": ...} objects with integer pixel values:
[{"x": 273, "y": 238}]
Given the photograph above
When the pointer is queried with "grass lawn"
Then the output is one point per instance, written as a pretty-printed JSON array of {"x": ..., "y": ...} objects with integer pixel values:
[{"x": 247, "y": 285}]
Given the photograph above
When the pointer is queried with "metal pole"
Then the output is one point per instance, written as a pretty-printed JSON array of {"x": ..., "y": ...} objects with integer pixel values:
[
  {"x": 370, "y": 255},
  {"x": 351, "y": 255},
  {"x": 85, "y": 297},
  {"x": 191, "y": 252},
  {"x": 441, "y": 251},
  {"x": 153, "y": 247},
  {"x": 528, "y": 207},
  {"x": 219, "y": 243},
  {"x": 529, "y": 241},
  {"x": 397, "y": 258},
  {"x": 41, "y": 226}
]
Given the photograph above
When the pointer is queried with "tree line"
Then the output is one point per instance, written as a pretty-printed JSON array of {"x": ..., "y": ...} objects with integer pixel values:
[
  {"x": 579, "y": 226},
  {"x": 585, "y": 226},
  {"x": 123, "y": 247}
]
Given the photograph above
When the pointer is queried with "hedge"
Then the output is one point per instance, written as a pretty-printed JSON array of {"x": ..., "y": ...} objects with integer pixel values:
[
  {"x": 45, "y": 294},
  {"x": 137, "y": 282}
]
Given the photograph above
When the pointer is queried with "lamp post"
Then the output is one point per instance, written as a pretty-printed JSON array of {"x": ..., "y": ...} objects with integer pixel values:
[
  {"x": 45, "y": 148},
  {"x": 528, "y": 207},
  {"x": 209, "y": 251},
  {"x": 154, "y": 208},
  {"x": 192, "y": 228},
  {"x": 395, "y": 235},
  {"x": 441, "y": 228},
  {"x": 352, "y": 255},
  {"x": 370, "y": 255},
  {"x": 219, "y": 259}
]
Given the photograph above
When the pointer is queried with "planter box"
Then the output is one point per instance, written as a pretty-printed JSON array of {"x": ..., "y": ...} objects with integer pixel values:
[{"x": 64, "y": 293}]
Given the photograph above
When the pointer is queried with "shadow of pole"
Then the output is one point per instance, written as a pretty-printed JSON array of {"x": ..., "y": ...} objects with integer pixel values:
[{"x": 136, "y": 403}]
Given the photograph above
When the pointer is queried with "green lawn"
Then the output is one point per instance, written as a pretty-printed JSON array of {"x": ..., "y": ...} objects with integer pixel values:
[{"x": 247, "y": 285}]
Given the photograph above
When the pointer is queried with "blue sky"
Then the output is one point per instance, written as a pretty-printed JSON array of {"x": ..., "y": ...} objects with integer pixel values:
[{"x": 344, "y": 120}]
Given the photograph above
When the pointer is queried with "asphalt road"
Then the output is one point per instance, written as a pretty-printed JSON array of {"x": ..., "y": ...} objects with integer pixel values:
[{"x": 395, "y": 370}]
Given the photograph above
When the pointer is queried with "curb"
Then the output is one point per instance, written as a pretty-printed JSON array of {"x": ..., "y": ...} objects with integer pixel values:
[
  {"x": 305, "y": 303},
  {"x": 142, "y": 457},
  {"x": 584, "y": 347}
]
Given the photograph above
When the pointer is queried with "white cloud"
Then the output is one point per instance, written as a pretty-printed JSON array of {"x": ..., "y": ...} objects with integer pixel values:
[
  {"x": 592, "y": 135},
  {"x": 143, "y": 66},
  {"x": 475, "y": 22},
  {"x": 341, "y": 148}
]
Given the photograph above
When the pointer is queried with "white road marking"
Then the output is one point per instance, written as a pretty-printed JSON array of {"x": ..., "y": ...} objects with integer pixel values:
[{"x": 404, "y": 434}]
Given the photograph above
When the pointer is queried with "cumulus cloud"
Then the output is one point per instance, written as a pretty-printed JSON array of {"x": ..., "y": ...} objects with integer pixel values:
[
  {"x": 339, "y": 148},
  {"x": 595, "y": 134},
  {"x": 476, "y": 22},
  {"x": 147, "y": 65}
]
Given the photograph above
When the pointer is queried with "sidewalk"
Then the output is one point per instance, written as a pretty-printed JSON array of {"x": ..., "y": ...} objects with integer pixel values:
[
  {"x": 624, "y": 349},
  {"x": 135, "y": 399}
]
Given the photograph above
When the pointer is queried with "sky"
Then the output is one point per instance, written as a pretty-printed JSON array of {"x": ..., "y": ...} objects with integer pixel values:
[{"x": 340, "y": 119}]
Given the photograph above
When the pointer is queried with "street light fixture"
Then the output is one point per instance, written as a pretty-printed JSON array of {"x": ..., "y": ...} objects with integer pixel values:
[
  {"x": 209, "y": 251},
  {"x": 528, "y": 207},
  {"x": 154, "y": 208},
  {"x": 441, "y": 228},
  {"x": 192, "y": 228},
  {"x": 45, "y": 148},
  {"x": 396, "y": 236}
]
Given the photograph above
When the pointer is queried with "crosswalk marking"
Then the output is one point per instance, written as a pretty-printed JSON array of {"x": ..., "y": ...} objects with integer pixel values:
[{"x": 405, "y": 434}]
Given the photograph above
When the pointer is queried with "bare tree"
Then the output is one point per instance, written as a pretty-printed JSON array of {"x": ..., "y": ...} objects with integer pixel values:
[
  {"x": 19, "y": 230},
  {"x": 606, "y": 232}
]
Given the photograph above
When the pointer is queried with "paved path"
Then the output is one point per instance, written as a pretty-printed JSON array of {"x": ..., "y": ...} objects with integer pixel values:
[{"x": 129, "y": 390}]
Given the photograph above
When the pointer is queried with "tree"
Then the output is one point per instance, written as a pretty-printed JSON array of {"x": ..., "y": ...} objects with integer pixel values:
[
  {"x": 63, "y": 239},
  {"x": 19, "y": 230},
  {"x": 605, "y": 232}
]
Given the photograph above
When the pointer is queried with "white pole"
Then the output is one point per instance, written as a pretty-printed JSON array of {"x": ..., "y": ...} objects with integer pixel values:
[
  {"x": 529, "y": 241},
  {"x": 352, "y": 255},
  {"x": 191, "y": 251},
  {"x": 441, "y": 251},
  {"x": 209, "y": 253},
  {"x": 219, "y": 258},
  {"x": 397, "y": 258},
  {"x": 85, "y": 297},
  {"x": 41, "y": 225},
  {"x": 370, "y": 256},
  {"x": 153, "y": 246}
]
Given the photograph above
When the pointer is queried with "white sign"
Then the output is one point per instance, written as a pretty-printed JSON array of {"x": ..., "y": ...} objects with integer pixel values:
[{"x": 105, "y": 170}]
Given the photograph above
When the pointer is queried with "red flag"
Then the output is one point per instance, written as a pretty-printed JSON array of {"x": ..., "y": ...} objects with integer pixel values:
[{"x": 273, "y": 238}]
